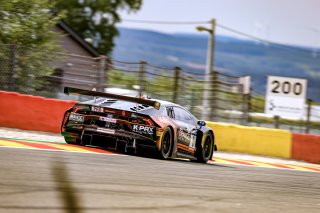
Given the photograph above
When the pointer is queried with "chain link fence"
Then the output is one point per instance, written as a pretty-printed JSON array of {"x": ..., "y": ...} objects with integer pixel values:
[
  {"x": 37, "y": 72},
  {"x": 217, "y": 96},
  {"x": 24, "y": 72}
]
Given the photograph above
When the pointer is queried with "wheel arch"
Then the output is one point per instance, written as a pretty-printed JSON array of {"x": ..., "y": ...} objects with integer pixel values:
[{"x": 201, "y": 138}]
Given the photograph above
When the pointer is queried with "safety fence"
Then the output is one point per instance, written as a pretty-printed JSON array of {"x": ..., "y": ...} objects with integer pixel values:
[
  {"x": 38, "y": 72},
  {"x": 216, "y": 96},
  {"x": 195, "y": 91},
  {"x": 24, "y": 72}
]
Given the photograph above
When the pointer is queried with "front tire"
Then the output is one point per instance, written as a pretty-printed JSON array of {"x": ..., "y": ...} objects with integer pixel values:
[
  {"x": 166, "y": 144},
  {"x": 205, "y": 151}
]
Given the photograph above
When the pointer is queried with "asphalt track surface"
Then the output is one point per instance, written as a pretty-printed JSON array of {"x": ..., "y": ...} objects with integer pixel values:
[{"x": 54, "y": 181}]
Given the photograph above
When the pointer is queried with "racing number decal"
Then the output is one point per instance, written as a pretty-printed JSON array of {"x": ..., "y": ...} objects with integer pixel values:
[{"x": 193, "y": 139}]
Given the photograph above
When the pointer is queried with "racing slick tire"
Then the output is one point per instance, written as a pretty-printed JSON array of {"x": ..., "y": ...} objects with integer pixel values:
[
  {"x": 205, "y": 152},
  {"x": 166, "y": 144},
  {"x": 70, "y": 140}
]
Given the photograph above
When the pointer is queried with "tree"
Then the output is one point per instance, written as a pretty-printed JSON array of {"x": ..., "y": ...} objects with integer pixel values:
[
  {"x": 27, "y": 43},
  {"x": 95, "y": 20},
  {"x": 27, "y": 23}
]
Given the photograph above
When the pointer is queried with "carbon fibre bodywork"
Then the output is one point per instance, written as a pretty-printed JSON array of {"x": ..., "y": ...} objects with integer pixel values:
[{"x": 114, "y": 123}]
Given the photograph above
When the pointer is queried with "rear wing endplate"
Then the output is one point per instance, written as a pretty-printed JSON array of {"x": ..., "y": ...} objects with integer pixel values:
[{"x": 70, "y": 90}]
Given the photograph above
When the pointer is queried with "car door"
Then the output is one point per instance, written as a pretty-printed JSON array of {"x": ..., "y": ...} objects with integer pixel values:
[{"x": 186, "y": 133}]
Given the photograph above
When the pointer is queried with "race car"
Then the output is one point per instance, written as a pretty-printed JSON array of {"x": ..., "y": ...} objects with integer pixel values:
[{"x": 134, "y": 124}]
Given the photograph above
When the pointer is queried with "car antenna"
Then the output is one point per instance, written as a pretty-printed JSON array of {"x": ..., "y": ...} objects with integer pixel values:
[
  {"x": 95, "y": 97},
  {"x": 148, "y": 90}
]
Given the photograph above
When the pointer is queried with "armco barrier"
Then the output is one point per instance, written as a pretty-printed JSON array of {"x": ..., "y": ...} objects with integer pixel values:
[
  {"x": 253, "y": 140},
  {"x": 306, "y": 147},
  {"x": 32, "y": 112}
]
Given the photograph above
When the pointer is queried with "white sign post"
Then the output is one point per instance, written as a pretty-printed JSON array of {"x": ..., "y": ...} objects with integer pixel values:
[
  {"x": 245, "y": 81},
  {"x": 285, "y": 97}
]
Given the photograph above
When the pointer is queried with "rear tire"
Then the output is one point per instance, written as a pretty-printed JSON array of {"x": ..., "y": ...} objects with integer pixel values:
[
  {"x": 205, "y": 152},
  {"x": 166, "y": 144},
  {"x": 70, "y": 140}
]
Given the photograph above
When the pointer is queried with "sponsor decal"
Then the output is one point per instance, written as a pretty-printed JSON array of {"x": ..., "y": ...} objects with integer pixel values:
[
  {"x": 90, "y": 129},
  {"x": 97, "y": 109},
  {"x": 183, "y": 136},
  {"x": 107, "y": 131},
  {"x": 143, "y": 129},
  {"x": 110, "y": 111},
  {"x": 75, "y": 117},
  {"x": 110, "y": 120}
]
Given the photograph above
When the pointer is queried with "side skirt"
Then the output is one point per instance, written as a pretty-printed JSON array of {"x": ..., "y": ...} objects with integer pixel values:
[{"x": 182, "y": 155}]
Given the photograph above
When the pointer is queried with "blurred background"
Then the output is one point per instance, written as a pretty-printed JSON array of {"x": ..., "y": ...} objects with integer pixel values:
[{"x": 211, "y": 57}]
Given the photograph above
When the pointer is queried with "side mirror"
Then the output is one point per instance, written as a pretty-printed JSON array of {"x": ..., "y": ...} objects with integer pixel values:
[{"x": 201, "y": 123}]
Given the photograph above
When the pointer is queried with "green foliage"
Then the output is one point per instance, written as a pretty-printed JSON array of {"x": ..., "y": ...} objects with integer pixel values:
[
  {"x": 27, "y": 44},
  {"x": 27, "y": 23},
  {"x": 160, "y": 86},
  {"x": 122, "y": 79},
  {"x": 257, "y": 104},
  {"x": 95, "y": 20}
]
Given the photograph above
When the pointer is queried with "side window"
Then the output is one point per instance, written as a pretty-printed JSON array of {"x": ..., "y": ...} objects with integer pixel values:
[
  {"x": 170, "y": 112},
  {"x": 184, "y": 116},
  {"x": 178, "y": 114},
  {"x": 190, "y": 119}
]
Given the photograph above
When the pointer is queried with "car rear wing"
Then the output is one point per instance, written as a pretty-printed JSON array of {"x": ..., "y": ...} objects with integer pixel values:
[{"x": 70, "y": 90}]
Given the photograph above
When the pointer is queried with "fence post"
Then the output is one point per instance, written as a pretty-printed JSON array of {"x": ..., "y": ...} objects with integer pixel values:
[
  {"x": 249, "y": 104},
  {"x": 12, "y": 56},
  {"x": 192, "y": 101},
  {"x": 141, "y": 77},
  {"x": 107, "y": 69},
  {"x": 102, "y": 77},
  {"x": 176, "y": 84},
  {"x": 246, "y": 105},
  {"x": 309, "y": 102},
  {"x": 245, "y": 109},
  {"x": 276, "y": 121},
  {"x": 213, "y": 94}
]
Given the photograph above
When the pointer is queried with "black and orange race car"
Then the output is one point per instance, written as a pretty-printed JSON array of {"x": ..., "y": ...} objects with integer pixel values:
[{"x": 133, "y": 124}]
